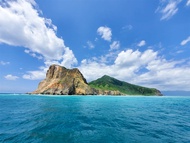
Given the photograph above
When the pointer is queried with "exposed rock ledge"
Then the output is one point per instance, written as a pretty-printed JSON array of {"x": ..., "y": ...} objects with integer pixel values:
[{"x": 62, "y": 81}]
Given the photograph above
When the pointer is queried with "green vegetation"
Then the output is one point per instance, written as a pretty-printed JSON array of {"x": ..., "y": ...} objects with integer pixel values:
[{"x": 109, "y": 83}]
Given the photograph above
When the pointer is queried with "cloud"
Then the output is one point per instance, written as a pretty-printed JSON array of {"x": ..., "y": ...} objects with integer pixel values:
[
  {"x": 134, "y": 59},
  {"x": 36, "y": 33},
  {"x": 179, "y": 51},
  {"x": 115, "y": 45},
  {"x": 35, "y": 75},
  {"x": 90, "y": 44},
  {"x": 125, "y": 64},
  {"x": 41, "y": 72},
  {"x": 184, "y": 42},
  {"x": 166, "y": 75},
  {"x": 143, "y": 68},
  {"x": 33, "y": 54},
  {"x": 11, "y": 77},
  {"x": 127, "y": 27},
  {"x": 141, "y": 43},
  {"x": 168, "y": 8},
  {"x": 188, "y": 3},
  {"x": 68, "y": 60},
  {"x": 105, "y": 32},
  {"x": 4, "y": 63}
]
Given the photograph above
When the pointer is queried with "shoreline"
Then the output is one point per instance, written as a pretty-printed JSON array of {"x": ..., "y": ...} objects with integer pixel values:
[{"x": 49, "y": 95}]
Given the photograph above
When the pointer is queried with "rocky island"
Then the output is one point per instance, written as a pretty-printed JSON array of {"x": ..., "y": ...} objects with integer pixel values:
[{"x": 62, "y": 81}]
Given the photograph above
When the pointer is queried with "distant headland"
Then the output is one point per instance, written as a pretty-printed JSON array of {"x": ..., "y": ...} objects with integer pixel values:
[{"x": 62, "y": 81}]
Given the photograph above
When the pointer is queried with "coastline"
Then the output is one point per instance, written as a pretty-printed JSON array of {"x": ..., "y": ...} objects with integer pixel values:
[{"x": 50, "y": 95}]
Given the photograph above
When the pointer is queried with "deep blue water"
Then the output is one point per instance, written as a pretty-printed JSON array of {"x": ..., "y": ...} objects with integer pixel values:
[{"x": 94, "y": 119}]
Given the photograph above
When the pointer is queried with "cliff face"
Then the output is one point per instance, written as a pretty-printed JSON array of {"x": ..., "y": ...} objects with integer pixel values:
[{"x": 62, "y": 81}]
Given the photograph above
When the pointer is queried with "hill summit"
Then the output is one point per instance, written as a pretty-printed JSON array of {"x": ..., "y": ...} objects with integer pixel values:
[
  {"x": 109, "y": 83},
  {"x": 62, "y": 81}
]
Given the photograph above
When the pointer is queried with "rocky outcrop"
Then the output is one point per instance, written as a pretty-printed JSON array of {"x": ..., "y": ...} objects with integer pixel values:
[{"x": 62, "y": 81}]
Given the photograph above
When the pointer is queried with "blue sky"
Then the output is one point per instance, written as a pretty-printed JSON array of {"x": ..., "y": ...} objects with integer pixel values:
[{"x": 143, "y": 42}]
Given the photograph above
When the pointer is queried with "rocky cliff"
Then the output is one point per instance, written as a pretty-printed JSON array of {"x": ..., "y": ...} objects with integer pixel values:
[{"x": 62, "y": 81}]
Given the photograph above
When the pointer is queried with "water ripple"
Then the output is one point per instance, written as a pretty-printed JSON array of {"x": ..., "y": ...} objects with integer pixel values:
[{"x": 74, "y": 119}]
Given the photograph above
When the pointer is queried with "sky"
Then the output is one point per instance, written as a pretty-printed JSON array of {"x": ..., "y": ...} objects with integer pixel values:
[{"x": 143, "y": 42}]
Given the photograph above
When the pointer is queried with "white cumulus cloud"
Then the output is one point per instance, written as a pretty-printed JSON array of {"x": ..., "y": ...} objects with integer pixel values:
[
  {"x": 11, "y": 77},
  {"x": 184, "y": 42},
  {"x": 35, "y": 75},
  {"x": 105, "y": 32},
  {"x": 141, "y": 43},
  {"x": 134, "y": 59},
  {"x": 68, "y": 58},
  {"x": 22, "y": 25},
  {"x": 125, "y": 65}
]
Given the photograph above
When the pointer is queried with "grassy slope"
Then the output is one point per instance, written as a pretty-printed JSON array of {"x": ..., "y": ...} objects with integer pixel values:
[{"x": 109, "y": 83}]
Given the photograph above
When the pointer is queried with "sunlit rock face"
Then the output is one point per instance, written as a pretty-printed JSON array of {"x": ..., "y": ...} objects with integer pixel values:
[{"x": 62, "y": 81}]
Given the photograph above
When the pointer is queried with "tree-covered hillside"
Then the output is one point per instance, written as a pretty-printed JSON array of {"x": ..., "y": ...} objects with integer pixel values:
[{"x": 110, "y": 83}]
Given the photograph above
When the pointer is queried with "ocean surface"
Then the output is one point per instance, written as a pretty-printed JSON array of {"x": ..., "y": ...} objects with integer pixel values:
[{"x": 94, "y": 119}]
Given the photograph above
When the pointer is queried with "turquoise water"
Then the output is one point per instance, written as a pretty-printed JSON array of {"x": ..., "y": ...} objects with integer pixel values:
[{"x": 94, "y": 119}]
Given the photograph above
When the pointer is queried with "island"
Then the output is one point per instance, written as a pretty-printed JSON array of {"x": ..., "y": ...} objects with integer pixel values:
[{"x": 62, "y": 81}]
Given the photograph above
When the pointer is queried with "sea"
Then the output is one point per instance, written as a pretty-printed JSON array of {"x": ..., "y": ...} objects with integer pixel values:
[{"x": 94, "y": 119}]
